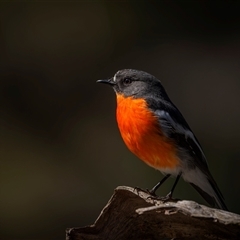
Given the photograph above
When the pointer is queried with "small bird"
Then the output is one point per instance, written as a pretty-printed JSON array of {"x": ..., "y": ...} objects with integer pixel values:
[{"x": 156, "y": 132}]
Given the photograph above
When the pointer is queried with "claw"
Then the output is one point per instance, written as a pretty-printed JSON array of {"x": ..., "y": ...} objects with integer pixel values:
[
  {"x": 150, "y": 192},
  {"x": 168, "y": 197},
  {"x": 137, "y": 189}
]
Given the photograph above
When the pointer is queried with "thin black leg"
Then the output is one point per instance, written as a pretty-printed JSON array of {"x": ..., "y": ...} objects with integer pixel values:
[
  {"x": 169, "y": 195},
  {"x": 154, "y": 189},
  {"x": 175, "y": 184}
]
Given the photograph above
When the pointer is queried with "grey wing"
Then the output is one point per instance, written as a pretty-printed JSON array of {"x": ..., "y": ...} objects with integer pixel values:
[{"x": 176, "y": 128}]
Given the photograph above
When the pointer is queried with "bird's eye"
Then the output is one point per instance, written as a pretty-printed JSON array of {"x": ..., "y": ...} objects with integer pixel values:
[{"x": 127, "y": 81}]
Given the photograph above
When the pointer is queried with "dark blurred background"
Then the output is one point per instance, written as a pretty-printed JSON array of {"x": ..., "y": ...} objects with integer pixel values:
[{"x": 61, "y": 155}]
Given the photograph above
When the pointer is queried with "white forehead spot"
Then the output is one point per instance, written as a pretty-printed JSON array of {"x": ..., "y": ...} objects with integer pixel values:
[{"x": 114, "y": 78}]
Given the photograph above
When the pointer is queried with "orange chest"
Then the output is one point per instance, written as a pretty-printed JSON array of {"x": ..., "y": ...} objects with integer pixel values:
[
  {"x": 136, "y": 123},
  {"x": 142, "y": 134}
]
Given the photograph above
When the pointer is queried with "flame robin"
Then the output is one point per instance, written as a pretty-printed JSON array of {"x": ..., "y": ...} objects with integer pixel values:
[{"x": 155, "y": 131}]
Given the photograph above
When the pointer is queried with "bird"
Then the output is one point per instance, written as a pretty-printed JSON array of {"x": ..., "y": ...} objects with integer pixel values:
[{"x": 155, "y": 131}]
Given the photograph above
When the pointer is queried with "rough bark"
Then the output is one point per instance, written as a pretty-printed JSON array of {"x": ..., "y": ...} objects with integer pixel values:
[{"x": 131, "y": 214}]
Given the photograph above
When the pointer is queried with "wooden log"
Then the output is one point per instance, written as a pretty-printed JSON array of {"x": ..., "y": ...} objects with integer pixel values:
[{"x": 133, "y": 214}]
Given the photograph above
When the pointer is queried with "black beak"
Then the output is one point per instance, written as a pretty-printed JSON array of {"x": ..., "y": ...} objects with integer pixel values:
[{"x": 108, "y": 81}]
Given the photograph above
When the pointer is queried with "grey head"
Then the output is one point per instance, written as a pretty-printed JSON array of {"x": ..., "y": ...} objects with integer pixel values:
[{"x": 135, "y": 83}]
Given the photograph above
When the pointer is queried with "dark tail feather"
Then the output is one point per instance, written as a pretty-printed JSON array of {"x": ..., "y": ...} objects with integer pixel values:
[{"x": 214, "y": 201}]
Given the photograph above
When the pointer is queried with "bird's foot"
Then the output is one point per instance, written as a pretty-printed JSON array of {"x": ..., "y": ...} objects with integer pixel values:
[
  {"x": 167, "y": 198},
  {"x": 150, "y": 192},
  {"x": 153, "y": 196},
  {"x": 138, "y": 189}
]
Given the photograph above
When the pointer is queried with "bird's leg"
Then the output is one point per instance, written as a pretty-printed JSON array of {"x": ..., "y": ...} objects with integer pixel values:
[
  {"x": 169, "y": 195},
  {"x": 154, "y": 189}
]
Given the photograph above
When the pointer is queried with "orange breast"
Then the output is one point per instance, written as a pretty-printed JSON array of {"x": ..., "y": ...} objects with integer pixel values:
[{"x": 142, "y": 134}]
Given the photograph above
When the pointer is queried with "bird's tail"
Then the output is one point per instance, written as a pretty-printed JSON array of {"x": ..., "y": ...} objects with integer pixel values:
[{"x": 207, "y": 188}]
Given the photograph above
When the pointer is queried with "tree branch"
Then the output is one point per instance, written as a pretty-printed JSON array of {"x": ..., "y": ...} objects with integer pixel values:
[{"x": 131, "y": 214}]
